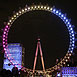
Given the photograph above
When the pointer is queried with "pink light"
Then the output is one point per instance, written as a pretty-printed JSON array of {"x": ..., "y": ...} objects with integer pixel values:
[
  {"x": 3, "y": 45},
  {"x": 3, "y": 42},
  {"x": 5, "y": 29},
  {"x": 3, "y": 38},
  {"x": 6, "y": 36},
  {"x": 3, "y": 35},
  {"x": 4, "y": 49},
  {"x": 5, "y": 52},
  {"x": 6, "y": 26},
  {"x": 6, "y": 43},
  {"x": 6, "y": 40},
  {"x": 4, "y": 32}
]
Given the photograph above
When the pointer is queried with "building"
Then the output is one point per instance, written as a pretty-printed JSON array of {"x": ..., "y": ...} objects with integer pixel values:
[
  {"x": 69, "y": 71},
  {"x": 15, "y": 53}
]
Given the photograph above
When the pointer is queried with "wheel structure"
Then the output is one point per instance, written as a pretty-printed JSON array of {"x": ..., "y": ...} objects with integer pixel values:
[{"x": 56, "y": 12}]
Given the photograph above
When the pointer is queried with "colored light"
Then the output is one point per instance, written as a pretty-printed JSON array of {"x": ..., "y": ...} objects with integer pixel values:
[
  {"x": 3, "y": 38},
  {"x": 3, "y": 42},
  {"x": 4, "y": 32},
  {"x": 3, "y": 35},
  {"x": 72, "y": 34},
  {"x": 7, "y": 26},
  {"x": 71, "y": 51},
  {"x": 56, "y": 11},
  {"x": 4, "y": 49},
  {"x": 73, "y": 41},
  {"x": 59, "y": 13},
  {"x": 72, "y": 48},
  {"x": 72, "y": 44},
  {"x": 5, "y": 29},
  {"x": 68, "y": 23},
  {"x": 71, "y": 29},
  {"x": 3, "y": 45},
  {"x": 66, "y": 20},
  {"x": 62, "y": 15}
]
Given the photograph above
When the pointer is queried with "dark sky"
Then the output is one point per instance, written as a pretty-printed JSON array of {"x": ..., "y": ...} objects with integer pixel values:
[{"x": 51, "y": 30}]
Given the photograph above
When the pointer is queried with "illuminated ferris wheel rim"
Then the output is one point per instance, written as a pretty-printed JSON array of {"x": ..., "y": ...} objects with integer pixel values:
[{"x": 49, "y": 9}]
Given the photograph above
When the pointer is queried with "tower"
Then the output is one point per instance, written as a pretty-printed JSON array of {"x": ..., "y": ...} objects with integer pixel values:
[{"x": 38, "y": 47}]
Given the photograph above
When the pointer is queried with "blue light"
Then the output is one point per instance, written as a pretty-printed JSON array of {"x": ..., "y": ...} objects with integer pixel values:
[
  {"x": 66, "y": 20},
  {"x": 68, "y": 23},
  {"x": 71, "y": 51},
  {"x": 62, "y": 15},
  {"x": 69, "y": 71},
  {"x": 57, "y": 11},
  {"x": 72, "y": 44},
  {"x": 54, "y": 10},
  {"x": 59, "y": 74},
  {"x": 72, "y": 48},
  {"x": 72, "y": 34},
  {"x": 69, "y": 27},
  {"x": 73, "y": 41},
  {"x": 72, "y": 31}
]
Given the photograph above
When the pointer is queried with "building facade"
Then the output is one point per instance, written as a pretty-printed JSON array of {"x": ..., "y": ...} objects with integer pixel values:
[
  {"x": 15, "y": 53},
  {"x": 69, "y": 71}
]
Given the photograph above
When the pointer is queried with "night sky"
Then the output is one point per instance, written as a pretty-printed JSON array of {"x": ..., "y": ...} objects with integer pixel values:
[{"x": 51, "y": 29}]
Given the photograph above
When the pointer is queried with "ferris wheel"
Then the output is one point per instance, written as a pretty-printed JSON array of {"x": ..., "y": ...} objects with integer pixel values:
[{"x": 51, "y": 10}]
